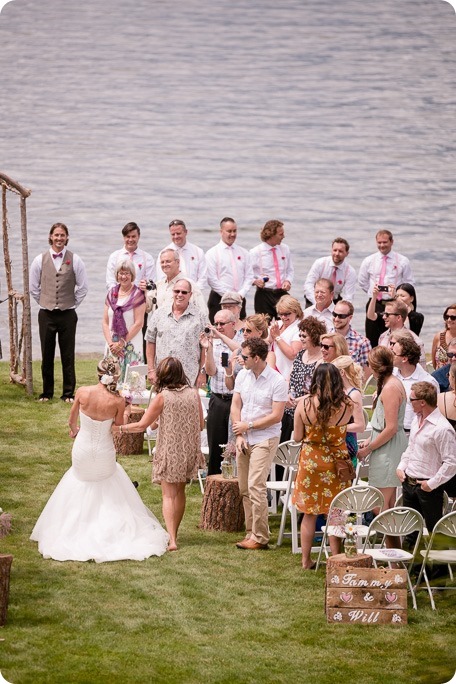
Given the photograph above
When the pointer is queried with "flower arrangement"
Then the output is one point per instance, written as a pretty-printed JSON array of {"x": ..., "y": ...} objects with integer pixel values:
[
  {"x": 135, "y": 386},
  {"x": 229, "y": 460},
  {"x": 5, "y": 524}
]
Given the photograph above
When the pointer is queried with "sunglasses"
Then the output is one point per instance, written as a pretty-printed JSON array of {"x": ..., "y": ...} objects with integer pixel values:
[
  {"x": 387, "y": 315},
  {"x": 451, "y": 355},
  {"x": 285, "y": 313},
  {"x": 339, "y": 315},
  {"x": 415, "y": 399},
  {"x": 176, "y": 223},
  {"x": 449, "y": 317},
  {"x": 181, "y": 291},
  {"x": 327, "y": 346},
  {"x": 245, "y": 357},
  {"x": 247, "y": 330}
]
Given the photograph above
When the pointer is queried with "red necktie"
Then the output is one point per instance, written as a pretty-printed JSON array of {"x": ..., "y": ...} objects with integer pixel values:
[{"x": 276, "y": 269}]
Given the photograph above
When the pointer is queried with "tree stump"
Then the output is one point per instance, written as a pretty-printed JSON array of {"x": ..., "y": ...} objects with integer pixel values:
[
  {"x": 5, "y": 569},
  {"x": 222, "y": 508},
  {"x": 132, "y": 443},
  {"x": 362, "y": 560}
]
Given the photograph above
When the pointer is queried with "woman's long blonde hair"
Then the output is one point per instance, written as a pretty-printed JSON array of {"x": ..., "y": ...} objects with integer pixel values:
[{"x": 352, "y": 370}]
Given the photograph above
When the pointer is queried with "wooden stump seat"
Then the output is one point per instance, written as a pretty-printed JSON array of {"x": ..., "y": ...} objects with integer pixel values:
[
  {"x": 222, "y": 508},
  {"x": 132, "y": 443}
]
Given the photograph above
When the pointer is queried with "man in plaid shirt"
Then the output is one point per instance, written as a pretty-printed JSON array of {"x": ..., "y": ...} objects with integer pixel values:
[{"x": 358, "y": 345}]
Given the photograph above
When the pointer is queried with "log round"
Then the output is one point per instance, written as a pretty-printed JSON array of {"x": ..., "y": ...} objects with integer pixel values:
[
  {"x": 222, "y": 508},
  {"x": 133, "y": 443},
  {"x": 5, "y": 570}
]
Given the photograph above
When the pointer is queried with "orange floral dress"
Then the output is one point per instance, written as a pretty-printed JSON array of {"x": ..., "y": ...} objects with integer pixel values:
[{"x": 317, "y": 483}]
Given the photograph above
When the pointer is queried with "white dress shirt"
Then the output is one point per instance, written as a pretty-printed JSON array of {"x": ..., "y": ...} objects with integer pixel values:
[
  {"x": 143, "y": 261},
  {"x": 323, "y": 268},
  {"x": 431, "y": 453},
  {"x": 220, "y": 261},
  {"x": 263, "y": 264},
  {"x": 398, "y": 271},
  {"x": 324, "y": 316},
  {"x": 80, "y": 275},
  {"x": 258, "y": 395},
  {"x": 192, "y": 263},
  {"x": 418, "y": 375}
]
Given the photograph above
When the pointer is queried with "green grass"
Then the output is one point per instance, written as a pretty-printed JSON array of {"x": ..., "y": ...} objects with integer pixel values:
[{"x": 208, "y": 613}]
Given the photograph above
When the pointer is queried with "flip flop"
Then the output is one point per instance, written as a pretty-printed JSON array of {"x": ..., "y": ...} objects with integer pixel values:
[
  {"x": 43, "y": 399},
  {"x": 68, "y": 400}
]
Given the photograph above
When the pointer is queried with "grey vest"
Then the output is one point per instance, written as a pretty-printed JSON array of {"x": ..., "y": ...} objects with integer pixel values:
[{"x": 57, "y": 287}]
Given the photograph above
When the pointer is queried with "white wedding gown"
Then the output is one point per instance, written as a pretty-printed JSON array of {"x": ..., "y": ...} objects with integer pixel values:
[{"x": 95, "y": 512}]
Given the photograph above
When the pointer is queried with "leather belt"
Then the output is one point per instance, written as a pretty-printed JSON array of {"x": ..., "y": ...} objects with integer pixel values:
[
  {"x": 413, "y": 480},
  {"x": 225, "y": 397}
]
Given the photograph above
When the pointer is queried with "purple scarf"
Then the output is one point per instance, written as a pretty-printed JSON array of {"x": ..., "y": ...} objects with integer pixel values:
[{"x": 135, "y": 299}]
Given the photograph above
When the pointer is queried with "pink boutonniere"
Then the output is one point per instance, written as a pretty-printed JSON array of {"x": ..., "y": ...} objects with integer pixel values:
[
  {"x": 239, "y": 258},
  {"x": 283, "y": 258},
  {"x": 68, "y": 262},
  {"x": 139, "y": 266},
  {"x": 394, "y": 267},
  {"x": 193, "y": 258},
  {"x": 339, "y": 282}
]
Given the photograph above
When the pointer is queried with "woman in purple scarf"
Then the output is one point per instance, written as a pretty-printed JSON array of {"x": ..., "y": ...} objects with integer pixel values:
[{"x": 124, "y": 317}]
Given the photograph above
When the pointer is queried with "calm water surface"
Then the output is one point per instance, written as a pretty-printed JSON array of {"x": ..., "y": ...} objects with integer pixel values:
[{"x": 337, "y": 118}]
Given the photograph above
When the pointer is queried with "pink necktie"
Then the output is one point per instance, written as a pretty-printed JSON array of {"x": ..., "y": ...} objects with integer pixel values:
[
  {"x": 276, "y": 269},
  {"x": 235, "y": 272},
  {"x": 381, "y": 280},
  {"x": 334, "y": 274}
]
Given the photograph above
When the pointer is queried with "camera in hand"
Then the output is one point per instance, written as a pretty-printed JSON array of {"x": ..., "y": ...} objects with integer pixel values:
[
  {"x": 150, "y": 285},
  {"x": 207, "y": 330},
  {"x": 383, "y": 288},
  {"x": 265, "y": 279}
]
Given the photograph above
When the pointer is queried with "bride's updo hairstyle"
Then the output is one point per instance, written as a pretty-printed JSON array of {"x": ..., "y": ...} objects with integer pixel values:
[
  {"x": 108, "y": 374},
  {"x": 170, "y": 375},
  {"x": 381, "y": 362}
]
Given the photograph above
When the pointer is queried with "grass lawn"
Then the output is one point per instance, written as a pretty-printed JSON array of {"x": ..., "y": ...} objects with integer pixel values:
[{"x": 208, "y": 613}]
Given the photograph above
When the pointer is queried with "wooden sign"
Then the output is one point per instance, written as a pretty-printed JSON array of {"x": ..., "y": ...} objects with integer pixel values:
[{"x": 366, "y": 595}]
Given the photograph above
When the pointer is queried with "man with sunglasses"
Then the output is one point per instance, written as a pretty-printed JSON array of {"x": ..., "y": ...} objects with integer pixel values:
[
  {"x": 358, "y": 345},
  {"x": 394, "y": 317},
  {"x": 218, "y": 413},
  {"x": 171, "y": 268},
  {"x": 191, "y": 257},
  {"x": 441, "y": 374},
  {"x": 259, "y": 398},
  {"x": 174, "y": 330},
  {"x": 430, "y": 458}
]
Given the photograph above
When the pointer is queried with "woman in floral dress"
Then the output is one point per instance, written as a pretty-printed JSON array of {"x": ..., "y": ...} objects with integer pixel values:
[{"x": 320, "y": 421}]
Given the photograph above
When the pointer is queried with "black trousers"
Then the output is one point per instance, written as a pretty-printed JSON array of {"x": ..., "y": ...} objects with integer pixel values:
[
  {"x": 58, "y": 325},
  {"x": 213, "y": 304},
  {"x": 429, "y": 504},
  {"x": 265, "y": 301},
  {"x": 375, "y": 328},
  {"x": 218, "y": 416}
]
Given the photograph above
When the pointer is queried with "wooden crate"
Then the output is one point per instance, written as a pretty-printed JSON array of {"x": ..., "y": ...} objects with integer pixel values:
[{"x": 366, "y": 596}]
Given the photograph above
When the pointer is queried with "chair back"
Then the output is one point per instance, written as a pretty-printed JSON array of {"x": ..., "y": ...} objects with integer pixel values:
[
  {"x": 446, "y": 525},
  {"x": 358, "y": 499},
  {"x": 287, "y": 453},
  {"x": 398, "y": 522}
]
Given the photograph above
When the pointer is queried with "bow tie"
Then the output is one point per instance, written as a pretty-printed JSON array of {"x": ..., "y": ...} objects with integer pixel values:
[{"x": 56, "y": 256}]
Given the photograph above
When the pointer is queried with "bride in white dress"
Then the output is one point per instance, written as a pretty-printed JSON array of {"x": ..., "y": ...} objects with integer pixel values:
[{"x": 95, "y": 512}]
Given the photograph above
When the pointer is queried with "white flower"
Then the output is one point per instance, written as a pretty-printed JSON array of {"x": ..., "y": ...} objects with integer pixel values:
[
  {"x": 106, "y": 379},
  {"x": 337, "y": 616},
  {"x": 350, "y": 529}
]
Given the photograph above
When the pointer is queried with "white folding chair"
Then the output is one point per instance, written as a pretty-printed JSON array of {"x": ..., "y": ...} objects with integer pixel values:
[
  {"x": 400, "y": 500},
  {"x": 289, "y": 507},
  {"x": 358, "y": 500},
  {"x": 362, "y": 470},
  {"x": 395, "y": 522},
  {"x": 287, "y": 455},
  {"x": 445, "y": 526}
]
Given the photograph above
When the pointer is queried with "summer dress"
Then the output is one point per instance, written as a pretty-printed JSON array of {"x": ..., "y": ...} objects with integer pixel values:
[{"x": 383, "y": 461}]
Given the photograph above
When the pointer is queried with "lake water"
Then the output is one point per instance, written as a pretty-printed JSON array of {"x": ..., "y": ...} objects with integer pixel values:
[{"x": 336, "y": 117}]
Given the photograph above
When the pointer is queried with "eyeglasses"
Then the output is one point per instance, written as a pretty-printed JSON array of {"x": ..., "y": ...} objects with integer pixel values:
[
  {"x": 181, "y": 291},
  {"x": 451, "y": 355},
  {"x": 449, "y": 317},
  {"x": 245, "y": 357},
  {"x": 302, "y": 335},
  {"x": 247, "y": 330},
  {"x": 284, "y": 313},
  {"x": 221, "y": 323},
  {"x": 327, "y": 346},
  {"x": 415, "y": 399},
  {"x": 339, "y": 315},
  {"x": 385, "y": 314},
  {"x": 176, "y": 223}
]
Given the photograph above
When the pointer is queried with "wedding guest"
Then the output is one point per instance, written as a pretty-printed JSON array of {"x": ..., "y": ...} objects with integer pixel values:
[
  {"x": 442, "y": 339},
  {"x": 177, "y": 413},
  {"x": 352, "y": 380},
  {"x": 171, "y": 268},
  {"x": 414, "y": 320},
  {"x": 441, "y": 374},
  {"x": 229, "y": 268},
  {"x": 323, "y": 307},
  {"x": 334, "y": 268},
  {"x": 123, "y": 318},
  {"x": 333, "y": 345},
  {"x": 234, "y": 303},
  {"x": 358, "y": 345},
  {"x": 58, "y": 282},
  {"x": 385, "y": 267},
  {"x": 256, "y": 325},
  {"x": 446, "y": 402},
  {"x": 272, "y": 268},
  {"x": 191, "y": 257},
  {"x": 285, "y": 335}
]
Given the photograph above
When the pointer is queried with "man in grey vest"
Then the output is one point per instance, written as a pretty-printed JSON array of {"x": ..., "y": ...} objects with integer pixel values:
[{"x": 58, "y": 282}]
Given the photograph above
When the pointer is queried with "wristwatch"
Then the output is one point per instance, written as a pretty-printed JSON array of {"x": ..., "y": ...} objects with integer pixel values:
[
  {"x": 278, "y": 338},
  {"x": 251, "y": 425}
]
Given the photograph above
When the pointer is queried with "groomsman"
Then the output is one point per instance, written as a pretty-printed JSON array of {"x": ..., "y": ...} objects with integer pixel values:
[
  {"x": 192, "y": 259},
  {"x": 272, "y": 268},
  {"x": 336, "y": 269},
  {"x": 229, "y": 268},
  {"x": 143, "y": 261},
  {"x": 383, "y": 268},
  {"x": 58, "y": 282}
]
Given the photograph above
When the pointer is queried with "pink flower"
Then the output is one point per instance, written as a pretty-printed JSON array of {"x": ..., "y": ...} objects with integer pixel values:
[
  {"x": 193, "y": 258},
  {"x": 139, "y": 265},
  {"x": 239, "y": 258},
  {"x": 283, "y": 258},
  {"x": 68, "y": 262},
  {"x": 339, "y": 282}
]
